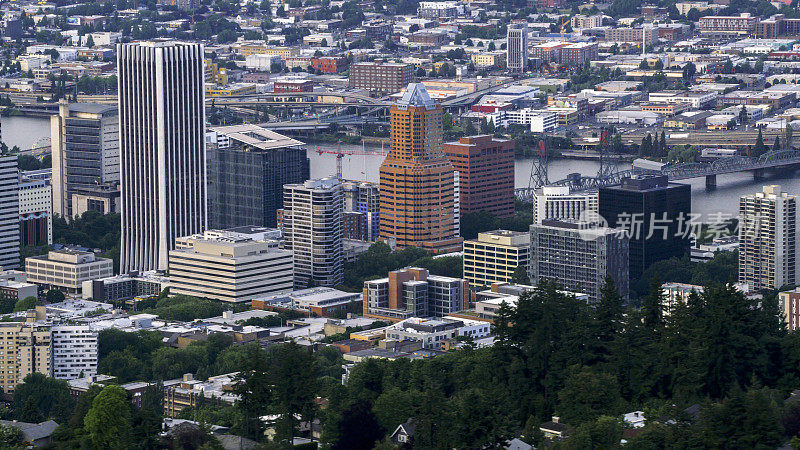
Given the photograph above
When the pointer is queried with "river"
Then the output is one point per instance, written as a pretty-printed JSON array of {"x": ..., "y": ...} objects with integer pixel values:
[{"x": 26, "y": 131}]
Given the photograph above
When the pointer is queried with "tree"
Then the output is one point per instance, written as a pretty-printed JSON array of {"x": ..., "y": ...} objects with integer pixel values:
[
  {"x": 421, "y": 73},
  {"x": 89, "y": 41},
  {"x": 11, "y": 437},
  {"x": 759, "y": 148},
  {"x": 292, "y": 373},
  {"x": 587, "y": 395},
  {"x": 26, "y": 304},
  {"x": 40, "y": 398},
  {"x": 108, "y": 422},
  {"x": 776, "y": 146},
  {"x": 358, "y": 429},
  {"x": 520, "y": 276},
  {"x": 54, "y": 296},
  {"x": 469, "y": 128},
  {"x": 743, "y": 115}
]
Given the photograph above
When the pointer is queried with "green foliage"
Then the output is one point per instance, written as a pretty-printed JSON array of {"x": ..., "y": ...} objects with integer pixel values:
[
  {"x": 481, "y": 221},
  {"x": 186, "y": 308},
  {"x": 587, "y": 395},
  {"x": 40, "y": 398},
  {"x": 54, "y": 296},
  {"x": 108, "y": 422},
  {"x": 723, "y": 268},
  {"x": 11, "y": 437},
  {"x": 376, "y": 262},
  {"x": 27, "y": 303},
  {"x": 91, "y": 230}
]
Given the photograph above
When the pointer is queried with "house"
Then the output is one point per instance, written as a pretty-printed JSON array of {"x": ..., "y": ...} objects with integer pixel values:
[
  {"x": 403, "y": 435},
  {"x": 635, "y": 419},
  {"x": 37, "y": 434},
  {"x": 517, "y": 444},
  {"x": 554, "y": 429}
]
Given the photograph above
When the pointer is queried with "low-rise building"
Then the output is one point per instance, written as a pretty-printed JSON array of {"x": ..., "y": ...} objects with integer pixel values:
[
  {"x": 226, "y": 266},
  {"x": 123, "y": 287},
  {"x": 67, "y": 269},
  {"x": 412, "y": 292},
  {"x": 316, "y": 301},
  {"x": 494, "y": 256},
  {"x": 431, "y": 332},
  {"x": 789, "y": 302}
]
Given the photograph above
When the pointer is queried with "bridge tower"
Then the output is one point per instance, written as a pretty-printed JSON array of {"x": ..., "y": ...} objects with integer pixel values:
[
  {"x": 608, "y": 166},
  {"x": 539, "y": 169}
]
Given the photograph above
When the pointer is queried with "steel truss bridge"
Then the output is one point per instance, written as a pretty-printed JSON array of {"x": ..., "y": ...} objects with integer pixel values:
[{"x": 780, "y": 159}]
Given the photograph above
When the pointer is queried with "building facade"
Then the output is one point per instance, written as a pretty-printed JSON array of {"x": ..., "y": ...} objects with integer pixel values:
[
  {"x": 85, "y": 144},
  {"x": 363, "y": 198},
  {"x": 380, "y": 78},
  {"x": 225, "y": 266},
  {"x": 517, "y": 47},
  {"x": 27, "y": 348},
  {"x": 495, "y": 256},
  {"x": 768, "y": 239},
  {"x": 9, "y": 212},
  {"x": 122, "y": 287},
  {"x": 35, "y": 213},
  {"x": 411, "y": 292},
  {"x": 311, "y": 221},
  {"x": 67, "y": 269},
  {"x": 162, "y": 149},
  {"x": 74, "y": 353},
  {"x": 559, "y": 203},
  {"x": 789, "y": 302},
  {"x": 485, "y": 167},
  {"x": 579, "y": 256},
  {"x": 247, "y": 168},
  {"x": 655, "y": 215},
  {"x": 416, "y": 179}
]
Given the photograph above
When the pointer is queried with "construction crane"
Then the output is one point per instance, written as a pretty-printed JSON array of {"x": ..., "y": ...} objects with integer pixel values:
[
  {"x": 340, "y": 154},
  {"x": 564, "y": 29}
]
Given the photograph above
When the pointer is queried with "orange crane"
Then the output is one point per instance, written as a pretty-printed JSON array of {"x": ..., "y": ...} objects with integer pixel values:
[{"x": 340, "y": 154}]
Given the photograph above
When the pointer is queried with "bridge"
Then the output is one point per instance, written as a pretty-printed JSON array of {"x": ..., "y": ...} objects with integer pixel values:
[
  {"x": 289, "y": 98},
  {"x": 778, "y": 159}
]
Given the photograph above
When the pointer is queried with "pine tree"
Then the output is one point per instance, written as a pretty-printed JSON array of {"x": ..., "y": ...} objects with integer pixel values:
[
  {"x": 760, "y": 148},
  {"x": 776, "y": 146}
]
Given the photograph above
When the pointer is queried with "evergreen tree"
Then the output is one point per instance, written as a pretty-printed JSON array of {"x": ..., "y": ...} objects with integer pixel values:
[
  {"x": 759, "y": 148},
  {"x": 776, "y": 146}
]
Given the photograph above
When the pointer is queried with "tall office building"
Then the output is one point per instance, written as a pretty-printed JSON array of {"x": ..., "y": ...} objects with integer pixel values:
[
  {"x": 311, "y": 221},
  {"x": 495, "y": 256},
  {"x": 559, "y": 202},
  {"x": 162, "y": 148},
  {"x": 362, "y": 198},
  {"x": 654, "y": 212},
  {"x": 485, "y": 167},
  {"x": 247, "y": 168},
  {"x": 517, "y": 47},
  {"x": 9, "y": 212},
  {"x": 84, "y": 139},
  {"x": 768, "y": 239},
  {"x": 416, "y": 179},
  {"x": 579, "y": 256}
]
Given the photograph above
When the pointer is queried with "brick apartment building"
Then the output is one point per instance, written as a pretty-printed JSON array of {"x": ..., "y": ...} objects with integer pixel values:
[
  {"x": 381, "y": 78},
  {"x": 485, "y": 168}
]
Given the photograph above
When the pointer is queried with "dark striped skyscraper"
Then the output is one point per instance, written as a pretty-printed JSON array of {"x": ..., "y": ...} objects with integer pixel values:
[{"x": 162, "y": 149}]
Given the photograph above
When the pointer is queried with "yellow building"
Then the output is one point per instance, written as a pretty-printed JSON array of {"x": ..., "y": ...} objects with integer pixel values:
[
  {"x": 489, "y": 59},
  {"x": 230, "y": 90},
  {"x": 213, "y": 73},
  {"x": 260, "y": 48},
  {"x": 495, "y": 255},
  {"x": 24, "y": 349}
]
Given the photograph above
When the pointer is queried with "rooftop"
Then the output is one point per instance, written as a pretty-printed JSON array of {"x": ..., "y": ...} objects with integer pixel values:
[
  {"x": 416, "y": 95},
  {"x": 255, "y": 136}
]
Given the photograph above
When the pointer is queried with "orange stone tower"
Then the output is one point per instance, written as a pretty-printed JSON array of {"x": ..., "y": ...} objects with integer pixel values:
[{"x": 416, "y": 179}]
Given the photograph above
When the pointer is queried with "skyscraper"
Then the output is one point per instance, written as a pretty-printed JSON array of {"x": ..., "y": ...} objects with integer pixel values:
[
  {"x": 311, "y": 221},
  {"x": 654, "y": 212},
  {"x": 416, "y": 179},
  {"x": 162, "y": 149},
  {"x": 247, "y": 169},
  {"x": 768, "y": 239},
  {"x": 85, "y": 150},
  {"x": 517, "y": 47},
  {"x": 9, "y": 212}
]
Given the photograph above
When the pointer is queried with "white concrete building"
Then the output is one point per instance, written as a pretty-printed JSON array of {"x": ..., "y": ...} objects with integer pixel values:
[
  {"x": 517, "y": 47},
  {"x": 261, "y": 62},
  {"x": 9, "y": 212},
  {"x": 67, "y": 269},
  {"x": 162, "y": 149},
  {"x": 36, "y": 204},
  {"x": 768, "y": 239},
  {"x": 74, "y": 351},
  {"x": 312, "y": 225},
  {"x": 557, "y": 202},
  {"x": 228, "y": 267}
]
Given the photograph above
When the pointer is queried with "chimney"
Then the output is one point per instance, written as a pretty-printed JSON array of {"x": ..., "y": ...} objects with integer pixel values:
[{"x": 555, "y": 419}]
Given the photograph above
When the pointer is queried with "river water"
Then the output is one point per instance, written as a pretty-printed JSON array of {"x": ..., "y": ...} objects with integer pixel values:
[{"x": 27, "y": 131}]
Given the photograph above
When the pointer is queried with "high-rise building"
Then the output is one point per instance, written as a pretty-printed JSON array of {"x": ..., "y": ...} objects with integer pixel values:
[
  {"x": 559, "y": 202},
  {"x": 517, "y": 47},
  {"x": 311, "y": 221},
  {"x": 74, "y": 351},
  {"x": 495, "y": 255},
  {"x": 27, "y": 347},
  {"x": 9, "y": 212},
  {"x": 247, "y": 168},
  {"x": 363, "y": 198},
  {"x": 85, "y": 143},
  {"x": 35, "y": 213},
  {"x": 226, "y": 266},
  {"x": 416, "y": 179},
  {"x": 654, "y": 212},
  {"x": 162, "y": 149},
  {"x": 768, "y": 239},
  {"x": 412, "y": 292},
  {"x": 579, "y": 256},
  {"x": 485, "y": 167}
]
